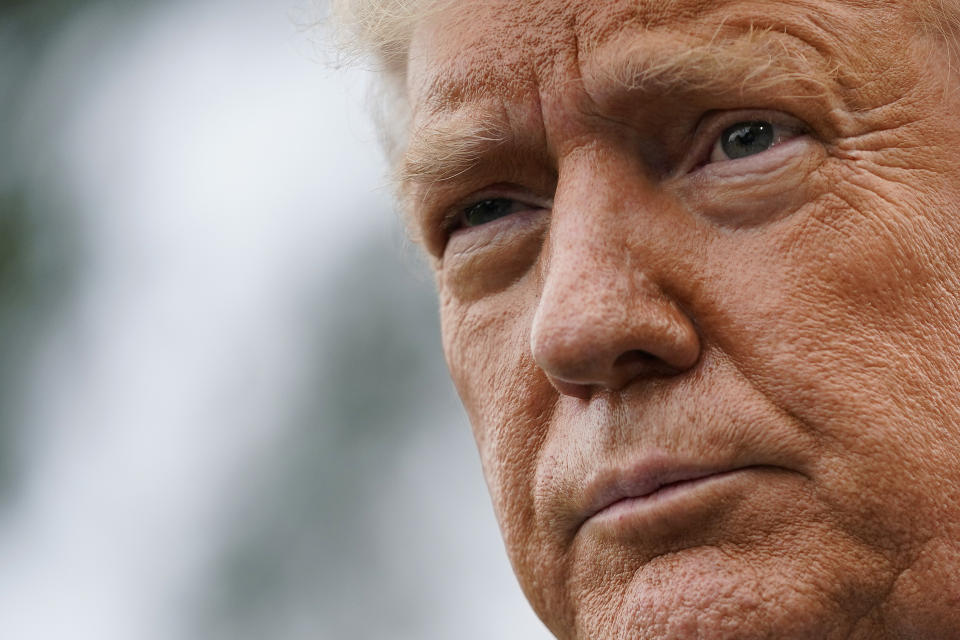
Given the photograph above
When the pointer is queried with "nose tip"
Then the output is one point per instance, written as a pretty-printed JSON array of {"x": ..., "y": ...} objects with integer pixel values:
[{"x": 609, "y": 341}]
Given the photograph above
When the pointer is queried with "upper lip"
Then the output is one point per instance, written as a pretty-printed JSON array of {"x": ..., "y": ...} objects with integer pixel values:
[{"x": 639, "y": 480}]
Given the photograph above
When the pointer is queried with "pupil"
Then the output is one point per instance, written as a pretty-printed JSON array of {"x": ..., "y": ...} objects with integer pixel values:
[
  {"x": 487, "y": 211},
  {"x": 747, "y": 138}
]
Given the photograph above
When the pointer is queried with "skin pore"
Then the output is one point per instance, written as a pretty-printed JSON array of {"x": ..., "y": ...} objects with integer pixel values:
[{"x": 699, "y": 284}]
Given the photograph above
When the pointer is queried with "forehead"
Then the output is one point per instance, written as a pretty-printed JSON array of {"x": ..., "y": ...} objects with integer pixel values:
[{"x": 470, "y": 48}]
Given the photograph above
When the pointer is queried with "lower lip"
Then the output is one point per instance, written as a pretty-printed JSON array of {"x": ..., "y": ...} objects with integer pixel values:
[{"x": 674, "y": 505}]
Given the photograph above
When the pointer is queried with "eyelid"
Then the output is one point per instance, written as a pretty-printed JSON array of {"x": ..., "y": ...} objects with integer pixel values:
[
  {"x": 713, "y": 124},
  {"x": 449, "y": 222}
]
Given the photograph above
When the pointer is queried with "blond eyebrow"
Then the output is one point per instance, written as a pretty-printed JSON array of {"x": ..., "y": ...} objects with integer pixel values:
[
  {"x": 454, "y": 141},
  {"x": 442, "y": 150},
  {"x": 764, "y": 58}
]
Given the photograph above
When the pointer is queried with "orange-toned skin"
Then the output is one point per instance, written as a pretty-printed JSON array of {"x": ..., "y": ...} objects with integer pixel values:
[{"x": 794, "y": 315}]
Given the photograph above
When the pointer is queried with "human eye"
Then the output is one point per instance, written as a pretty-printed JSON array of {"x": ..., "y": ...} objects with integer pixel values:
[
  {"x": 487, "y": 210},
  {"x": 746, "y": 167},
  {"x": 485, "y": 207},
  {"x": 739, "y": 136}
]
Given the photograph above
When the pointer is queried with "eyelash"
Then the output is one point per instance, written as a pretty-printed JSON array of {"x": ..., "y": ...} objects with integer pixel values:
[
  {"x": 712, "y": 125},
  {"x": 706, "y": 137},
  {"x": 452, "y": 221}
]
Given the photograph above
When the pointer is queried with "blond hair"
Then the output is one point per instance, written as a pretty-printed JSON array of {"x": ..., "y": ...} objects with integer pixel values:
[{"x": 379, "y": 32}]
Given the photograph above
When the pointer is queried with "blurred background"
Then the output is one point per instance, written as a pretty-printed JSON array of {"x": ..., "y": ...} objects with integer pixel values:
[{"x": 224, "y": 411}]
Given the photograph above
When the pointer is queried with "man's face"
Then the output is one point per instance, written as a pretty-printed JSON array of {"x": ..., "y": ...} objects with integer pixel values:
[{"x": 699, "y": 276}]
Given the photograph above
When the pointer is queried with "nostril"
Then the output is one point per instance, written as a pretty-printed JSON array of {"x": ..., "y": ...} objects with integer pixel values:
[
  {"x": 637, "y": 360},
  {"x": 636, "y": 356},
  {"x": 588, "y": 339}
]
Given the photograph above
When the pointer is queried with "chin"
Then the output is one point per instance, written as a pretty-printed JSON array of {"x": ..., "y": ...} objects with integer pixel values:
[{"x": 730, "y": 593}]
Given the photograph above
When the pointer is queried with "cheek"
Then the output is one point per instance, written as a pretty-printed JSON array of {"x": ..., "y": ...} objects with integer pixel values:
[
  {"x": 511, "y": 406},
  {"x": 508, "y": 400},
  {"x": 850, "y": 323}
]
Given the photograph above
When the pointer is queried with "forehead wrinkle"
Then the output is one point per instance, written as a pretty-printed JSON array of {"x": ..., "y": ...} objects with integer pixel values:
[
  {"x": 789, "y": 52},
  {"x": 762, "y": 50},
  {"x": 763, "y": 58}
]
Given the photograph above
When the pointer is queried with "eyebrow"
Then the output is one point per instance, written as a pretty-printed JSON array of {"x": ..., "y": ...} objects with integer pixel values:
[
  {"x": 443, "y": 150},
  {"x": 766, "y": 58},
  {"x": 457, "y": 139}
]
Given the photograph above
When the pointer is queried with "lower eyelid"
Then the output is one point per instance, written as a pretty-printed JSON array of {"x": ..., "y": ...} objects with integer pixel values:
[
  {"x": 709, "y": 131},
  {"x": 468, "y": 240},
  {"x": 757, "y": 165},
  {"x": 453, "y": 220}
]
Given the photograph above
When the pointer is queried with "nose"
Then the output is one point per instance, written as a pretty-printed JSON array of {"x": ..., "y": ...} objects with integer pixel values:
[{"x": 602, "y": 321}]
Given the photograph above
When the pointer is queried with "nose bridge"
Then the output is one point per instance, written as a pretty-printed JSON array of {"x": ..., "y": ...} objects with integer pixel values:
[
  {"x": 591, "y": 207},
  {"x": 590, "y": 267},
  {"x": 603, "y": 319}
]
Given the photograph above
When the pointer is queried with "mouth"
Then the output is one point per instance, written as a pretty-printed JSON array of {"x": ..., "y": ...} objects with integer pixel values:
[{"x": 658, "y": 493}]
